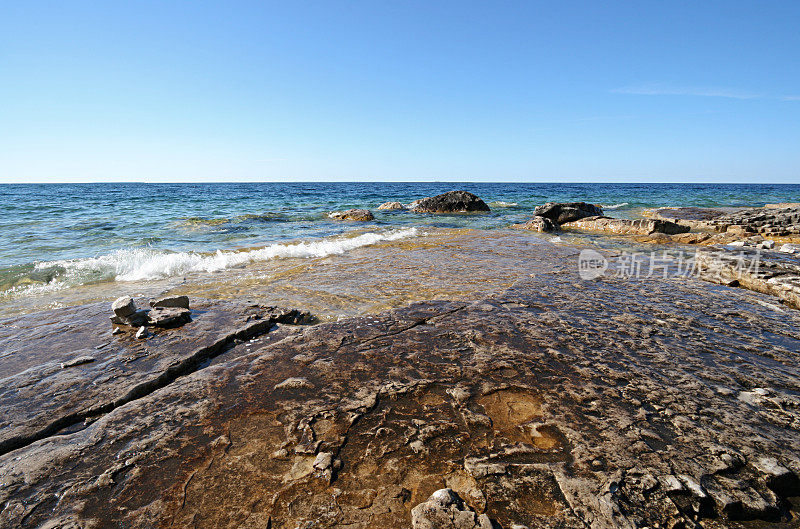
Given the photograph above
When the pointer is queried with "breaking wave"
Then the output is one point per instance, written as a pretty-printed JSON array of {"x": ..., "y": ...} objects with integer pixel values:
[
  {"x": 615, "y": 206},
  {"x": 147, "y": 263}
]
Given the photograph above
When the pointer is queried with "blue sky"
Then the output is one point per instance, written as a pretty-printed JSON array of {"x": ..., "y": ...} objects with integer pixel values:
[{"x": 485, "y": 91}]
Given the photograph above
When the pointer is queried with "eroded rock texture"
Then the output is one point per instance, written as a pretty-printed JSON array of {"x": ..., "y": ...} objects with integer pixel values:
[
  {"x": 627, "y": 226},
  {"x": 62, "y": 369},
  {"x": 559, "y": 403}
]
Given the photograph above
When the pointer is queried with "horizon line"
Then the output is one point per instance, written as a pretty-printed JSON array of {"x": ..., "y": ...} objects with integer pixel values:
[{"x": 140, "y": 182}]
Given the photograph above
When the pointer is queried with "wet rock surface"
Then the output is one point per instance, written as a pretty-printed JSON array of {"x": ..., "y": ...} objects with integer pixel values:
[
  {"x": 66, "y": 368},
  {"x": 450, "y": 202},
  {"x": 168, "y": 317},
  {"x": 557, "y": 403},
  {"x": 627, "y": 226},
  {"x": 540, "y": 224},
  {"x": 181, "y": 302},
  {"x": 361, "y": 215},
  {"x": 768, "y": 272}
]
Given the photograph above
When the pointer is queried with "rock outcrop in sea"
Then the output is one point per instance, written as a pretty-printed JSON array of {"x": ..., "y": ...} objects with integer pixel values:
[
  {"x": 450, "y": 202},
  {"x": 561, "y": 212},
  {"x": 361, "y": 215},
  {"x": 391, "y": 206}
]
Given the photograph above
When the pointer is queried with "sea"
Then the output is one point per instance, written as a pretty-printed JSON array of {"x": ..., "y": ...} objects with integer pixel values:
[{"x": 63, "y": 244}]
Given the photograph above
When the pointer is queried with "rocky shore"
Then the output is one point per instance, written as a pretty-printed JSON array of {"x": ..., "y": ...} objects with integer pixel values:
[
  {"x": 748, "y": 247},
  {"x": 556, "y": 403}
]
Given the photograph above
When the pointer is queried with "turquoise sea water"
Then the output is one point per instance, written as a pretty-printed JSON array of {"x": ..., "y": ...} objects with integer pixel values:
[{"x": 85, "y": 233}]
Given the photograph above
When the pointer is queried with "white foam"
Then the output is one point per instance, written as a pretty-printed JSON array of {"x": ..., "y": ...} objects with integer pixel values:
[
  {"x": 615, "y": 206},
  {"x": 146, "y": 263},
  {"x": 501, "y": 204}
]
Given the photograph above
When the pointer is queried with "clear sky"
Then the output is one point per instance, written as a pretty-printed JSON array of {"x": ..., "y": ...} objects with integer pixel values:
[{"x": 698, "y": 91}]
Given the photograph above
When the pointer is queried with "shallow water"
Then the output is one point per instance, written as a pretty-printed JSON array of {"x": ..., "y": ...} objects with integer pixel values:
[{"x": 64, "y": 244}]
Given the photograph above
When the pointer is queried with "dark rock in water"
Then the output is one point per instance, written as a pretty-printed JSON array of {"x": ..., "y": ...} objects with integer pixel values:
[
  {"x": 392, "y": 206},
  {"x": 181, "y": 302},
  {"x": 446, "y": 510},
  {"x": 540, "y": 224},
  {"x": 168, "y": 316},
  {"x": 124, "y": 306},
  {"x": 352, "y": 214},
  {"x": 561, "y": 212},
  {"x": 451, "y": 202},
  {"x": 627, "y": 226}
]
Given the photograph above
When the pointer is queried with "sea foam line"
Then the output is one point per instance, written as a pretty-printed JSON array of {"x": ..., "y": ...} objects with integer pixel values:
[
  {"x": 146, "y": 263},
  {"x": 615, "y": 206}
]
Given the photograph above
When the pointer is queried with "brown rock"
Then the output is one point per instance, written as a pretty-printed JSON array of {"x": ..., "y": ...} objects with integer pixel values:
[
  {"x": 361, "y": 215},
  {"x": 626, "y": 226},
  {"x": 540, "y": 224},
  {"x": 392, "y": 206}
]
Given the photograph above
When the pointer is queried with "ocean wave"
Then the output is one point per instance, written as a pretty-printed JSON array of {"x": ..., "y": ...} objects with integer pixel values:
[
  {"x": 501, "y": 204},
  {"x": 140, "y": 264},
  {"x": 614, "y": 206}
]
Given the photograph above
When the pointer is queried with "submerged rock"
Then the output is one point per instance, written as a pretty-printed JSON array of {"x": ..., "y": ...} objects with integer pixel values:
[
  {"x": 450, "y": 202},
  {"x": 362, "y": 215},
  {"x": 391, "y": 206},
  {"x": 627, "y": 226},
  {"x": 561, "y": 212}
]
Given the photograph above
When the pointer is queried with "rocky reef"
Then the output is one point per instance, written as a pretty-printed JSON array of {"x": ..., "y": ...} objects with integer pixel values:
[{"x": 556, "y": 403}]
